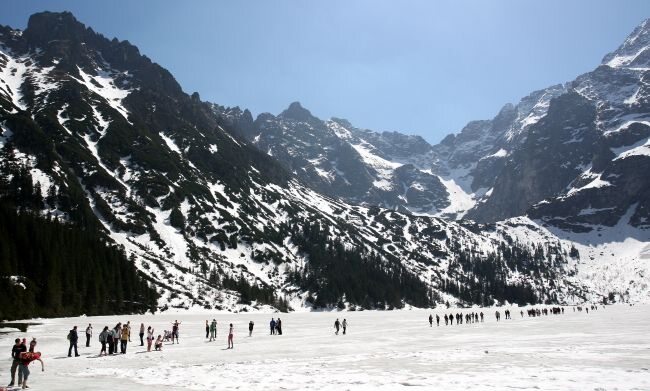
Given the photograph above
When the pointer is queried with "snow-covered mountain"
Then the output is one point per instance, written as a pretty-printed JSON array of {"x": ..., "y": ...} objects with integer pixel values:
[
  {"x": 584, "y": 161},
  {"x": 106, "y": 139},
  {"x": 391, "y": 169},
  {"x": 573, "y": 154}
]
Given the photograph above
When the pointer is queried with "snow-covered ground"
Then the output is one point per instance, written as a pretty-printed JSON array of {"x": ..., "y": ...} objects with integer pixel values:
[{"x": 606, "y": 349}]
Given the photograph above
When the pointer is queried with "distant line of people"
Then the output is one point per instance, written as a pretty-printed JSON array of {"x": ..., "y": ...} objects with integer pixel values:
[
  {"x": 474, "y": 317},
  {"x": 460, "y": 318}
]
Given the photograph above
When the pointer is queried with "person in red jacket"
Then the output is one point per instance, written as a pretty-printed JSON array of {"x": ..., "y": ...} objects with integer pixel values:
[{"x": 25, "y": 360}]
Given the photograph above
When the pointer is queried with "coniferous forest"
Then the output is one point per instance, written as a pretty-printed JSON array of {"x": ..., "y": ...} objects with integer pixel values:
[
  {"x": 337, "y": 274},
  {"x": 49, "y": 268}
]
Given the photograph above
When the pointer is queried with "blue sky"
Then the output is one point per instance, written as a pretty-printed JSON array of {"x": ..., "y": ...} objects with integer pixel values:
[{"x": 419, "y": 67}]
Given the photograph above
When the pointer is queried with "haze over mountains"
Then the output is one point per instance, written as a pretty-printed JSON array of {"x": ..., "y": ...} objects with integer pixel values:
[{"x": 220, "y": 210}]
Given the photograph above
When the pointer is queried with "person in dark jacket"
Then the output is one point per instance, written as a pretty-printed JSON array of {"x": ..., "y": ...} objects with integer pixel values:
[
  {"x": 89, "y": 334},
  {"x": 141, "y": 334},
  {"x": 272, "y": 325},
  {"x": 16, "y": 350},
  {"x": 73, "y": 337},
  {"x": 250, "y": 328},
  {"x": 278, "y": 326}
]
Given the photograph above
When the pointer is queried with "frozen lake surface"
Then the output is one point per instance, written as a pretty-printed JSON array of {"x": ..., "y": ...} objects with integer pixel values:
[{"x": 608, "y": 349}]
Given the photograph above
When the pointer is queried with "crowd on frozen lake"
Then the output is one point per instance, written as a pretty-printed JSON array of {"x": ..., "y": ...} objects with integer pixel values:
[{"x": 544, "y": 347}]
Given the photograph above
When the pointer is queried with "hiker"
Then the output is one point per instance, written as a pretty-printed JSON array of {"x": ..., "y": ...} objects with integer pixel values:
[
  {"x": 251, "y": 324},
  {"x": 25, "y": 360},
  {"x": 128, "y": 326},
  {"x": 73, "y": 337},
  {"x": 213, "y": 330},
  {"x": 109, "y": 341},
  {"x": 481, "y": 314},
  {"x": 207, "y": 329},
  {"x": 430, "y": 320},
  {"x": 498, "y": 315},
  {"x": 345, "y": 325},
  {"x": 231, "y": 345},
  {"x": 103, "y": 339},
  {"x": 278, "y": 326},
  {"x": 32, "y": 345},
  {"x": 437, "y": 320},
  {"x": 149, "y": 338},
  {"x": 116, "y": 334},
  {"x": 446, "y": 320},
  {"x": 141, "y": 334},
  {"x": 89, "y": 334},
  {"x": 337, "y": 326},
  {"x": 16, "y": 351},
  {"x": 124, "y": 339},
  {"x": 158, "y": 345},
  {"x": 451, "y": 319},
  {"x": 272, "y": 325},
  {"x": 175, "y": 331}
]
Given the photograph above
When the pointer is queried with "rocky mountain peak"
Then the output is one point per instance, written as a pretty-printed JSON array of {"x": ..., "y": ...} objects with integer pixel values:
[
  {"x": 634, "y": 52},
  {"x": 296, "y": 112},
  {"x": 45, "y": 27},
  {"x": 342, "y": 121}
]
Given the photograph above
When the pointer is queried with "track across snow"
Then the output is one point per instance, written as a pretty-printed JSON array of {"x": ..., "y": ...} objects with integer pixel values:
[{"x": 606, "y": 349}]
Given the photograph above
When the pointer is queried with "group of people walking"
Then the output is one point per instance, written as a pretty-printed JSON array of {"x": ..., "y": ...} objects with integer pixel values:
[
  {"x": 340, "y": 325},
  {"x": 474, "y": 317},
  {"x": 471, "y": 317}
]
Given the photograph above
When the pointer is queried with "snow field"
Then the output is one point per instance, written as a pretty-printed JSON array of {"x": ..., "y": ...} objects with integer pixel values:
[{"x": 606, "y": 349}]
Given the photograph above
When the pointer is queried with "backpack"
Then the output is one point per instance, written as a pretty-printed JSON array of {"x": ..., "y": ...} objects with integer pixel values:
[{"x": 68, "y": 337}]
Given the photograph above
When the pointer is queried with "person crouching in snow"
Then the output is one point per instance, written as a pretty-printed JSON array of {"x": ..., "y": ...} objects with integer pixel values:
[{"x": 159, "y": 341}]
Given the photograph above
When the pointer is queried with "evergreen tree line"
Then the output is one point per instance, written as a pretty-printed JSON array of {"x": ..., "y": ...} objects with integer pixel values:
[
  {"x": 49, "y": 269},
  {"x": 336, "y": 274},
  {"x": 485, "y": 279},
  {"x": 249, "y": 293}
]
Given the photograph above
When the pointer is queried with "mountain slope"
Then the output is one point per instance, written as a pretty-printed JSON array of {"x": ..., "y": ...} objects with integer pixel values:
[
  {"x": 112, "y": 143},
  {"x": 583, "y": 163}
]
